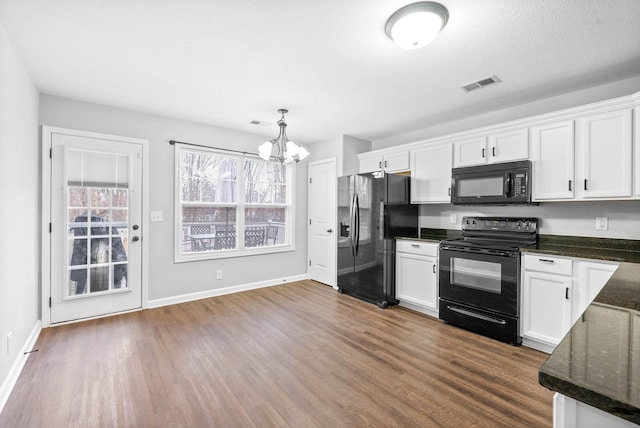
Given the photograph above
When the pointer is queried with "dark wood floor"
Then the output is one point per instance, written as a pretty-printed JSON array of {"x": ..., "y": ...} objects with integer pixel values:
[{"x": 297, "y": 355}]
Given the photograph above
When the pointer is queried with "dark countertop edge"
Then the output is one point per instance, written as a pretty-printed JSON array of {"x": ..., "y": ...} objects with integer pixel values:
[
  {"x": 616, "y": 284},
  {"x": 617, "y": 250},
  {"x": 594, "y": 399},
  {"x": 430, "y": 240}
]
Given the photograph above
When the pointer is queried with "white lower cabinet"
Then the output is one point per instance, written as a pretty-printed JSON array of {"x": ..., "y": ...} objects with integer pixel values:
[
  {"x": 570, "y": 413},
  {"x": 417, "y": 275},
  {"x": 555, "y": 293}
]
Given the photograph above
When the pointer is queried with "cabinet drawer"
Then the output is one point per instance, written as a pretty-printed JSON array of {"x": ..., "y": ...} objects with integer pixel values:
[
  {"x": 544, "y": 263},
  {"x": 417, "y": 247}
]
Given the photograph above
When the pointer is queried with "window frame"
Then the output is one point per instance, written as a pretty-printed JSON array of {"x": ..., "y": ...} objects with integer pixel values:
[{"x": 240, "y": 204}]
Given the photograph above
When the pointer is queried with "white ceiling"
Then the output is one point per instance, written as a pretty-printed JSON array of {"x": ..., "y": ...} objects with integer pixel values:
[{"x": 226, "y": 62}]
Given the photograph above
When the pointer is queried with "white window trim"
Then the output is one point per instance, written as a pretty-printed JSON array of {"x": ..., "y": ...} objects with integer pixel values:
[{"x": 178, "y": 257}]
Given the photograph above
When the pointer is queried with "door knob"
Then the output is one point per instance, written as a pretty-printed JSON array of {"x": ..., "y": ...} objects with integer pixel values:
[
  {"x": 329, "y": 230},
  {"x": 135, "y": 239},
  {"x": 135, "y": 227}
]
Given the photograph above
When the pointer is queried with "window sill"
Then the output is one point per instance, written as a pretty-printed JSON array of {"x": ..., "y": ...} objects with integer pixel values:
[{"x": 229, "y": 254}]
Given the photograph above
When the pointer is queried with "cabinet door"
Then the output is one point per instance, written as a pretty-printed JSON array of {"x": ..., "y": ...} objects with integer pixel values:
[
  {"x": 431, "y": 174},
  {"x": 416, "y": 280},
  {"x": 395, "y": 162},
  {"x": 370, "y": 163},
  {"x": 546, "y": 307},
  {"x": 509, "y": 146},
  {"x": 470, "y": 152},
  {"x": 593, "y": 277},
  {"x": 636, "y": 127},
  {"x": 606, "y": 155},
  {"x": 552, "y": 156}
]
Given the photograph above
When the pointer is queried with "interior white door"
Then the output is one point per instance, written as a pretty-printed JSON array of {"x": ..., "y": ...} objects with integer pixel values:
[
  {"x": 322, "y": 222},
  {"x": 96, "y": 212}
]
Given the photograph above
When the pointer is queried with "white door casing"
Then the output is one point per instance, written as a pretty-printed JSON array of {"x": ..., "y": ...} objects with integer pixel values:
[
  {"x": 107, "y": 171},
  {"x": 322, "y": 222}
]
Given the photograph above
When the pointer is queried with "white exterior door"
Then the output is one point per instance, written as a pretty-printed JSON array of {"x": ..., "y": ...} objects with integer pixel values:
[
  {"x": 322, "y": 222},
  {"x": 96, "y": 227}
]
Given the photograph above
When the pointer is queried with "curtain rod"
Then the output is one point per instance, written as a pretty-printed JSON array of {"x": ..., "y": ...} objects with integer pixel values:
[{"x": 174, "y": 142}]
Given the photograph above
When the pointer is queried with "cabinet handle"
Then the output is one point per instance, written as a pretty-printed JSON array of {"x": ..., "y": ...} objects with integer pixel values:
[
  {"x": 385, "y": 164},
  {"x": 482, "y": 152},
  {"x": 415, "y": 245},
  {"x": 493, "y": 151},
  {"x": 434, "y": 268},
  {"x": 380, "y": 164},
  {"x": 569, "y": 184},
  {"x": 449, "y": 191},
  {"x": 566, "y": 293},
  {"x": 585, "y": 184},
  {"x": 547, "y": 260}
]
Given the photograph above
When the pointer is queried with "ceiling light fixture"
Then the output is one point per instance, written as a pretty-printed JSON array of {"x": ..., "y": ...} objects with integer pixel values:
[
  {"x": 281, "y": 149},
  {"x": 416, "y": 24}
]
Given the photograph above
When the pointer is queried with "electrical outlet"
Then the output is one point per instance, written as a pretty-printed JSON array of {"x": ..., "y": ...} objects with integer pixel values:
[
  {"x": 453, "y": 218},
  {"x": 9, "y": 342},
  {"x": 602, "y": 223},
  {"x": 219, "y": 274}
]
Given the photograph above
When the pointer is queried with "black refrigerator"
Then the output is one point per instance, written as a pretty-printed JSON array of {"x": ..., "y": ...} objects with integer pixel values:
[{"x": 373, "y": 209}]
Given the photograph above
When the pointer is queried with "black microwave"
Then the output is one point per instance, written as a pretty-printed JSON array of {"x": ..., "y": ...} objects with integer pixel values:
[{"x": 496, "y": 184}]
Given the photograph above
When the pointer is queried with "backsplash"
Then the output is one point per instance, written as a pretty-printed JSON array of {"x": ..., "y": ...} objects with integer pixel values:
[{"x": 556, "y": 218}]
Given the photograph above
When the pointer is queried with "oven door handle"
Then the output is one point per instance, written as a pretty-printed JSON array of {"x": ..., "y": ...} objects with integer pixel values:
[
  {"x": 476, "y": 315},
  {"x": 499, "y": 253}
]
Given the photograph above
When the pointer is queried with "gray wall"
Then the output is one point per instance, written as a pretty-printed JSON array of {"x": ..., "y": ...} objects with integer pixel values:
[
  {"x": 546, "y": 105},
  {"x": 20, "y": 202},
  {"x": 166, "y": 278}
]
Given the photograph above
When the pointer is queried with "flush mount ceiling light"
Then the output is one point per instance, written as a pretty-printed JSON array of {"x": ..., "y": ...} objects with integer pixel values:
[
  {"x": 281, "y": 149},
  {"x": 416, "y": 24}
]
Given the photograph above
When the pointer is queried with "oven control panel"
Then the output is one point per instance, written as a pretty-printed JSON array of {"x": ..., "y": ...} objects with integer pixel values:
[{"x": 503, "y": 224}]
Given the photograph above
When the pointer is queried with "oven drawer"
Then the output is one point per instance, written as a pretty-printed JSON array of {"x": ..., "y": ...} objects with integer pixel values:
[
  {"x": 417, "y": 247},
  {"x": 496, "y": 326},
  {"x": 544, "y": 263}
]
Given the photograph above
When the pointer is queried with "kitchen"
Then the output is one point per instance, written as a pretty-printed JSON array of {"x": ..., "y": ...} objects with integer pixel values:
[{"x": 77, "y": 110}]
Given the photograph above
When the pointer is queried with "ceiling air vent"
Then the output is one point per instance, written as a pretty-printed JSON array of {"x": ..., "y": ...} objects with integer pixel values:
[
  {"x": 260, "y": 122},
  {"x": 480, "y": 83}
]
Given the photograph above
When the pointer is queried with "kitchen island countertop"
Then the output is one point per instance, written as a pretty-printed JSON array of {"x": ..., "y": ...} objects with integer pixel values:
[{"x": 598, "y": 361}]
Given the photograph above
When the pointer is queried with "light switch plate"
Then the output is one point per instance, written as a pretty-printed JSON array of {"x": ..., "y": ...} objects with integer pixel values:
[
  {"x": 453, "y": 218},
  {"x": 156, "y": 216}
]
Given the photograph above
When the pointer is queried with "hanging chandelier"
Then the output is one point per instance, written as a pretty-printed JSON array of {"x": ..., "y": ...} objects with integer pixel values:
[{"x": 281, "y": 149}]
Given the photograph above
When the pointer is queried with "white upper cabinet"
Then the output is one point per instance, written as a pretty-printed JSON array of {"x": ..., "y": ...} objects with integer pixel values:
[
  {"x": 470, "y": 152},
  {"x": 508, "y": 146},
  {"x": 389, "y": 162},
  {"x": 552, "y": 156},
  {"x": 604, "y": 155},
  {"x": 637, "y": 150},
  {"x": 499, "y": 147},
  {"x": 431, "y": 174}
]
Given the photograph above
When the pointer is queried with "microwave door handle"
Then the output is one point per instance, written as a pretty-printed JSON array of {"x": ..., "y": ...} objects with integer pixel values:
[{"x": 507, "y": 186}]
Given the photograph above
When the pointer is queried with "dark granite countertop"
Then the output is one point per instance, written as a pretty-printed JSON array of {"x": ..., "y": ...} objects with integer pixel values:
[
  {"x": 598, "y": 361},
  {"x": 435, "y": 235},
  {"x": 618, "y": 250}
]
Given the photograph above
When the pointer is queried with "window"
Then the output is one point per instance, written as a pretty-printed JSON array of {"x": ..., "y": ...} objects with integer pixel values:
[{"x": 219, "y": 194}]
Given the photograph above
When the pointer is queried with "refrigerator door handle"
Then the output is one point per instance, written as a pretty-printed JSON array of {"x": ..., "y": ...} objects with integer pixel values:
[
  {"x": 352, "y": 224},
  {"x": 357, "y": 223}
]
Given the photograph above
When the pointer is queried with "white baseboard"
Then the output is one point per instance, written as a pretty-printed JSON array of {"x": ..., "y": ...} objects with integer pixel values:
[
  {"x": 183, "y": 298},
  {"x": 18, "y": 365}
]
